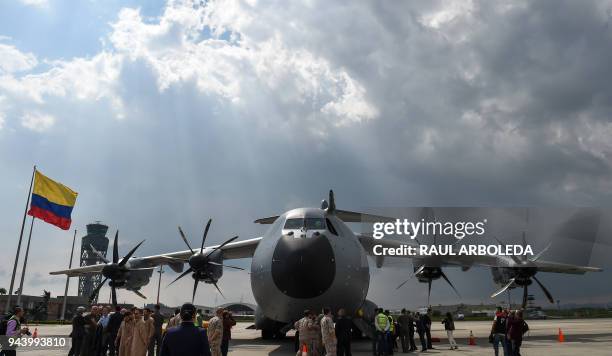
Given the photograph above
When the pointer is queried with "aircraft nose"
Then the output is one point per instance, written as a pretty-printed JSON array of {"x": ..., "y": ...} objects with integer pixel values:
[{"x": 303, "y": 267}]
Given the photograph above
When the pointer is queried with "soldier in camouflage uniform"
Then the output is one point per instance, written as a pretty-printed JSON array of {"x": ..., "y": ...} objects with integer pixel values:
[
  {"x": 328, "y": 333},
  {"x": 215, "y": 332}
]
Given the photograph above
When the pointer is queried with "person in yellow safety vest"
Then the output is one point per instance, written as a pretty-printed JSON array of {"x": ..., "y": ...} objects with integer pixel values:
[
  {"x": 382, "y": 325},
  {"x": 391, "y": 335}
]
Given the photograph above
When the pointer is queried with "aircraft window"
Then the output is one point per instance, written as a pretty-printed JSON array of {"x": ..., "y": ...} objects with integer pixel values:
[
  {"x": 295, "y": 223},
  {"x": 314, "y": 224},
  {"x": 331, "y": 227}
]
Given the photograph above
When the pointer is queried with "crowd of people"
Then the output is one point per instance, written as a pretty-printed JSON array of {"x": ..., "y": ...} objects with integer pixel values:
[
  {"x": 318, "y": 335},
  {"x": 388, "y": 331},
  {"x": 140, "y": 332},
  {"x": 101, "y": 332}
]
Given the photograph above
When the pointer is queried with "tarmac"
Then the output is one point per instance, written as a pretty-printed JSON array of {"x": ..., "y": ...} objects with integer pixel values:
[{"x": 591, "y": 337}]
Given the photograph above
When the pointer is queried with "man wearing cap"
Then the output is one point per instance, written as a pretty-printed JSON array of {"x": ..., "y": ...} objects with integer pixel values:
[
  {"x": 215, "y": 332},
  {"x": 186, "y": 339}
]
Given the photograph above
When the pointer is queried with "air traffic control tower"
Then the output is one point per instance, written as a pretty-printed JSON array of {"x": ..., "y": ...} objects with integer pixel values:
[{"x": 96, "y": 237}]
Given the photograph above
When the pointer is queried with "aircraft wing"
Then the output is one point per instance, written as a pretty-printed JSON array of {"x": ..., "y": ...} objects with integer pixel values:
[
  {"x": 80, "y": 271},
  {"x": 556, "y": 267},
  {"x": 233, "y": 250}
]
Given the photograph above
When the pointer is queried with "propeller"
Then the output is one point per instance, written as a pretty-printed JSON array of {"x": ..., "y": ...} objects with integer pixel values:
[
  {"x": 526, "y": 270},
  {"x": 115, "y": 271},
  {"x": 428, "y": 273},
  {"x": 200, "y": 262}
]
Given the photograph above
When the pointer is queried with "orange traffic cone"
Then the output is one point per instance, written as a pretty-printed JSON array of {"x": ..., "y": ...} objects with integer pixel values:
[
  {"x": 561, "y": 337},
  {"x": 472, "y": 340},
  {"x": 304, "y": 350},
  {"x": 35, "y": 334}
]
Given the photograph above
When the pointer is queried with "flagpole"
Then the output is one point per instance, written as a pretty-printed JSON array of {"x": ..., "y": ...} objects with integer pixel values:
[
  {"x": 25, "y": 263},
  {"x": 10, "y": 293},
  {"x": 63, "y": 317}
]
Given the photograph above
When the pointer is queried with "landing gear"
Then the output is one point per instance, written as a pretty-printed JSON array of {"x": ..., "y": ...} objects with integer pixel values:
[{"x": 273, "y": 333}]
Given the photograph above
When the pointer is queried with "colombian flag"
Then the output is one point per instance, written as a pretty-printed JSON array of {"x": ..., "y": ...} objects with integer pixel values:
[{"x": 52, "y": 201}]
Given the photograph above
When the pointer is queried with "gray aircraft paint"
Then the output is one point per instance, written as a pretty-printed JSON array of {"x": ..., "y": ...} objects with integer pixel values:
[{"x": 351, "y": 277}]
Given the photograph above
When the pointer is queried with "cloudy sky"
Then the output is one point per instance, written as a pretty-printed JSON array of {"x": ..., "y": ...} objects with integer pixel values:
[{"x": 165, "y": 113}]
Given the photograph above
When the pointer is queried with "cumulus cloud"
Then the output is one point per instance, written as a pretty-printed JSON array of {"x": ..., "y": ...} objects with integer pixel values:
[
  {"x": 255, "y": 107},
  {"x": 12, "y": 60},
  {"x": 36, "y": 121}
]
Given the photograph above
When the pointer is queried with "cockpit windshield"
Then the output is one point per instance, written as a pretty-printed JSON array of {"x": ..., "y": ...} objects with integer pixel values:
[
  {"x": 295, "y": 223},
  {"x": 306, "y": 223},
  {"x": 314, "y": 223}
]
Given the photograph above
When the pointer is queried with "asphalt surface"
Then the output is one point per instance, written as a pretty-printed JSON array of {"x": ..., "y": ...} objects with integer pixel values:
[{"x": 591, "y": 337}]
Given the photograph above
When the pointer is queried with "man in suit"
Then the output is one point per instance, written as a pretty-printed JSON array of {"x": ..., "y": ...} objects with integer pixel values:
[{"x": 186, "y": 339}]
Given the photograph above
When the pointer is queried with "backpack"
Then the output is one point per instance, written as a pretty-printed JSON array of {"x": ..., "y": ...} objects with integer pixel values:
[
  {"x": 500, "y": 324},
  {"x": 525, "y": 327}
]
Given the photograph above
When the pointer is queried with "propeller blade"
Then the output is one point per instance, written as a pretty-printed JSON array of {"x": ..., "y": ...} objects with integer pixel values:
[
  {"x": 428, "y": 291},
  {"x": 185, "y": 239},
  {"x": 537, "y": 257},
  {"x": 195, "y": 288},
  {"x": 449, "y": 283},
  {"x": 116, "y": 248},
  {"x": 548, "y": 295},
  {"x": 139, "y": 294},
  {"x": 222, "y": 265},
  {"x": 181, "y": 276},
  {"x": 114, "y": 295},
  {"x": 419, "y": 270},
  {"x": 221, "y": 246},
  {"x": 402, "y": 284},
  {"x": 95, "y": 291},
  {"x": 525, "y": 295},
  {"x": 127, "y": 257},
  {"x": 99, "y": 254},
  {"x": 219, "y": 290},
  {"x": 503, "y": 289},
  {"x": 205, "y": 234}
]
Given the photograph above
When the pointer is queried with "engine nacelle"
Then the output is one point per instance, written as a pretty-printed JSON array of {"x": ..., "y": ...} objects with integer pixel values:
[
  {"x": 522, "y": 275},
  {"x": 209, "y": 272},
  {"x": 138, "y": 279}
]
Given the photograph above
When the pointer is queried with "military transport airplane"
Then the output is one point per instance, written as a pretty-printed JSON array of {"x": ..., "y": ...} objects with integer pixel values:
[{"x": 308, "y": 258}]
